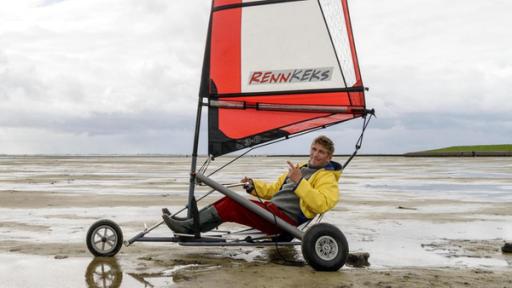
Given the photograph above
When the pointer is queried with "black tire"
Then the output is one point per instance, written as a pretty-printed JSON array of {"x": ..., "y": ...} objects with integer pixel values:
[
  {"x": 104, "y": 238},
  {"x": 324, "y": 247}
]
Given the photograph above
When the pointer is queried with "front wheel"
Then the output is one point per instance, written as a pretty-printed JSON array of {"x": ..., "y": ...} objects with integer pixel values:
[
  {"x": 324, "y": 247},
  {"x": 104, "y": 238}
]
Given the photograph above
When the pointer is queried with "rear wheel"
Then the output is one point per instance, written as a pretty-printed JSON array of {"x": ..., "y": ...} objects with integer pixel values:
[
  {"x": 324, "y": 247},
  {"x": 104, "y": 238}
]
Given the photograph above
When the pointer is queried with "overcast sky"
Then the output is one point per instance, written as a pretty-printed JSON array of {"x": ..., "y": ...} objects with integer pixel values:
[{"x": 122, "y": 76}]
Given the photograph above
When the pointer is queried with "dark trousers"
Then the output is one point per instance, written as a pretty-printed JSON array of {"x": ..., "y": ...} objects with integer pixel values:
[{"x": 231, "y": 211}]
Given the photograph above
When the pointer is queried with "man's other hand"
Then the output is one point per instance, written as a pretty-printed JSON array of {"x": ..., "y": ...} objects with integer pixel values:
[{"x": 248, "y": 184}]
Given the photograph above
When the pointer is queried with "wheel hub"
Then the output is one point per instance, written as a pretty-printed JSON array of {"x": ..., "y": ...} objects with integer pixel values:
[
  {"x": 104, "y": 239},
  {"x": 326, "y": 248}
]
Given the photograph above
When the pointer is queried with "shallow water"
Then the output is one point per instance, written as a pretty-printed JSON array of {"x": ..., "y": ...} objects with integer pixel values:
[
  {"x": 45, "y": 271},
  {"x": 453, "y": 201},
  {"x": 478, "y": 179}
]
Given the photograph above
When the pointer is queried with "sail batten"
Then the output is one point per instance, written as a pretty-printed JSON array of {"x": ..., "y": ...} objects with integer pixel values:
[
  {"x": 278, "y": 70},
  {"x": 229, "y": 104}
]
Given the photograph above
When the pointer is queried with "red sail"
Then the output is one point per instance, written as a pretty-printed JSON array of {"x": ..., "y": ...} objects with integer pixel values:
[{"x": 277, "y": 68}]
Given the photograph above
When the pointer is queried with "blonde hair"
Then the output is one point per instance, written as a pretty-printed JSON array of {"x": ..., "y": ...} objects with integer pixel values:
[{"x": 325, "y": 142}]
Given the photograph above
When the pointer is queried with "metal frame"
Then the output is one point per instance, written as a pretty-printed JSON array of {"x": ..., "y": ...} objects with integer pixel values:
[{"x": 219, "y": 240}]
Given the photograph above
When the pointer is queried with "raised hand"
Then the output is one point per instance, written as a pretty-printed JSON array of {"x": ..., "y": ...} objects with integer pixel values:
[{"x": 294, "y": 172}]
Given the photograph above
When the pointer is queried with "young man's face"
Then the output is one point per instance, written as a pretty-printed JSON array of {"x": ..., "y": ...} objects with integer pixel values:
[{"x": 318, "y": 155}]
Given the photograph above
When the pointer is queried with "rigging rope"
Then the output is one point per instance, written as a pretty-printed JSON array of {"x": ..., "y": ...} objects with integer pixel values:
[
  {"x": 359, "y": 142},
  {"x": 203, "y": 169}
]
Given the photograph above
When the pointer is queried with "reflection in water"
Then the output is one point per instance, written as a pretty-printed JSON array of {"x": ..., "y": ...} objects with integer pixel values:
[
  {"x": 141, "y": 279},
  {"x": 508, "y": 258},
  {"x": 103, "y": 272}
]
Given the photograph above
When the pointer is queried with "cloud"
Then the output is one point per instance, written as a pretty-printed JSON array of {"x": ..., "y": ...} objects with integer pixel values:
[
  {"x": 432, "y": 55},
  {"x": 85, "y": 57},
  {"x": 122, "y": 76}
]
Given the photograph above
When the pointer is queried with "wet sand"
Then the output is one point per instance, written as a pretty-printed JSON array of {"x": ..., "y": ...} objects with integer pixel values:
[{"x": 415, "y": 239}]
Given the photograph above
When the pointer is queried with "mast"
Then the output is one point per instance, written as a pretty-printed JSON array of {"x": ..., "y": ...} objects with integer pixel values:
[{"x": 203, "y": 93}]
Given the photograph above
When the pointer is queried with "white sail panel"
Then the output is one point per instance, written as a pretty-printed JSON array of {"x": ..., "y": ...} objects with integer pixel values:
[
  {"x": 280, "y": 39},
  {"x": 337, "y": 24}
]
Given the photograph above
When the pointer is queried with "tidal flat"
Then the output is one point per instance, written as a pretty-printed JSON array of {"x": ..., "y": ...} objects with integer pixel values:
[{"x": 426, "y": 222}]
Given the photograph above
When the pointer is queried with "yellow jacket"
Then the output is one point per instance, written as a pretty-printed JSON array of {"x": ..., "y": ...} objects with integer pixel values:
[{"x": 318, "y": 194}]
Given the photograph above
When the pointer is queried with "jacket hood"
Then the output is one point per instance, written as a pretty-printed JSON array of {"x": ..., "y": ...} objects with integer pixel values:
[
  {"x": 331, "y": 166},
  {"x": 334, "y": 167}
]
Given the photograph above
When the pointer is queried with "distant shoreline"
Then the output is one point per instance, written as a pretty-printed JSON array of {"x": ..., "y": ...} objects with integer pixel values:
[
  {"x": 502, "y": 150},
  {"x": 460, "y": 154},
  {"x": 412, "y": 154},
  {"x": 420, "y": 154}
]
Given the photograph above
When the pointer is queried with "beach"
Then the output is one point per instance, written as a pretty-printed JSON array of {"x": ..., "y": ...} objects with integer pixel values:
[{"x": 426, "y": 222}]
